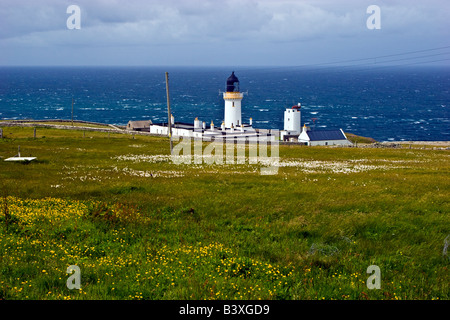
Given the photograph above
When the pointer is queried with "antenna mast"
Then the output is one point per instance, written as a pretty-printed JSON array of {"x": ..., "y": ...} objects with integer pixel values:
[
  {"x": 169, "y": 114},
  {"x": 72, "y": 112}
]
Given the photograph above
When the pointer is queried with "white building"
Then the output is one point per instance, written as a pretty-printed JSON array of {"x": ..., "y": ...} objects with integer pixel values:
[
  {"x": 292, "y": 123},
  {"x": 323, "y": 137},
  {"x": 231, "y": 128},
  {"x": 233, "y": 99},
  {"x": 292, "y": 119}
]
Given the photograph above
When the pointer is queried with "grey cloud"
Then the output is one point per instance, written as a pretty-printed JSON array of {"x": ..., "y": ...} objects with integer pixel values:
[
  {"x": 212, "y": 30},
  {"x": 159, "y": 22}
]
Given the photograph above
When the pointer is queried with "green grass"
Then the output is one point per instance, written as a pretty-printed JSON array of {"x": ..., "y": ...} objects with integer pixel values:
[
  {"x": 141, "y": 227},
  {"x": 358, "y": 139},
  {"x": 63, "y": 123}
]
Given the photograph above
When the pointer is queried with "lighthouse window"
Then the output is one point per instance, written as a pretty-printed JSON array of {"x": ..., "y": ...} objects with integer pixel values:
[{"x": 233, "y": 103}]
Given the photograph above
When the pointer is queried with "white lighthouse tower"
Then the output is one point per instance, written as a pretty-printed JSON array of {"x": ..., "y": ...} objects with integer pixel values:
[
  {"x": 233, "y": 99},
  {"x": 292, "y": 119},
  {"x": 292, "y": 122}
]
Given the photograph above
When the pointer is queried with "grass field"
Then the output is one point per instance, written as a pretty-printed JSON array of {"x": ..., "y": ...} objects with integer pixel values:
[{"x": 141, "y": 227}]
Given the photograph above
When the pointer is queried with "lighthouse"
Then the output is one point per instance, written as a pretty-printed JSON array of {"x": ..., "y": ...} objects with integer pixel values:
[
  {"x": 233, "y": 99},
  {"x": 292, "y": 119}
]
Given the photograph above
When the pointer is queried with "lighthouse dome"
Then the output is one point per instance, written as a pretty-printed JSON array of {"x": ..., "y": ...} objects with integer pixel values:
[{"x": 232, "y": 83}]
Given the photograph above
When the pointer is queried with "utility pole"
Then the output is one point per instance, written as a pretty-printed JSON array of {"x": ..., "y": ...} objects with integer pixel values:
[
  {"x": 72, "y": 112},
  {"x": 169, "y": 114}
]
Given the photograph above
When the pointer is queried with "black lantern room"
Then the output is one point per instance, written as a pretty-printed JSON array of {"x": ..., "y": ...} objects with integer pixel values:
[{"x": 232, "y": 83}]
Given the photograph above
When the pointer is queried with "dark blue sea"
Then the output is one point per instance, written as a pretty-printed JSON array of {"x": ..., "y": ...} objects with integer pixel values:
[{"x": 385, "y": 103}]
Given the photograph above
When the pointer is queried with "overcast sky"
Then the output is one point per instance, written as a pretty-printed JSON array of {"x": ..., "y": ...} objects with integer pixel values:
[{"x": 221, "y": 33}]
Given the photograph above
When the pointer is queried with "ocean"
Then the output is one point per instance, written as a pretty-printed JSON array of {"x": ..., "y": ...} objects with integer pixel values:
[{"x": 386, "y": 103}]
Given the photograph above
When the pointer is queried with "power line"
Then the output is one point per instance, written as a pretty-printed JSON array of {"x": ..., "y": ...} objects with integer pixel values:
[
  {"x": 411, "y": 58},
  {"x": 374, "y": 59},
  {"x": 381, "y": 64},
  {"x": 376, "y": 67},
  {"x": 384, "y": 56},
  {"x": 362, "y": 68}
]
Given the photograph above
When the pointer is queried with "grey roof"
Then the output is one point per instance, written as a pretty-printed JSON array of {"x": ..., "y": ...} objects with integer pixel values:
[
  {"x": 319, "y": 135},
  {"x": 140, "y": 123},
  {"x": 179, "y": 125}
]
